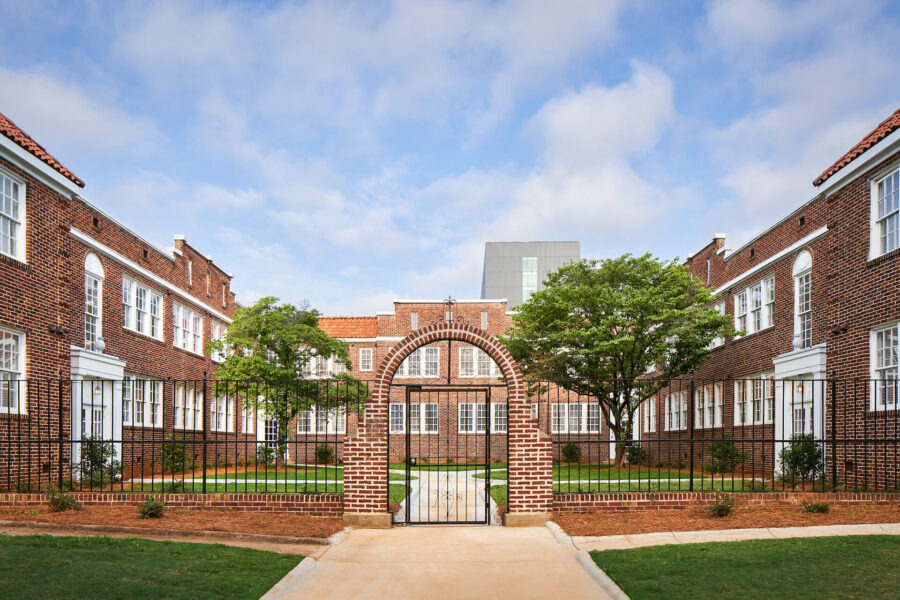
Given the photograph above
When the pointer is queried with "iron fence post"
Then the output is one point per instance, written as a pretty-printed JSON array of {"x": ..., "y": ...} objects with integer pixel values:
[
  {"x": 487, "y": 457},
  {"x": 834, "y": 480},
  {"x": 204, "y": 425},
  {"x": 60, "y": 399},
  {"x": 691, "y": 415}
]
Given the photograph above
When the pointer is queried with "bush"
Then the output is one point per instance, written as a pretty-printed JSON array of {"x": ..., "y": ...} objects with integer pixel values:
[
  {"x": 59, "y": 501},
  {"x": 816, "y": 507},
  {"x": 265, "y": 455},
  {"x": 151, "y": 509},
  {"x": 724, "y": 455},
  {"x": 324, "y": 453},
  {"x": 802, "y": 458},
  {"x": 571, "y": 452},
  {"x": 174, "y": 487},
  {"x": 635, "y": 454},
  {"x": 723, "y": 505},
  {"x": 174, "y": 456},
  {"x": 98, "y": 465}
]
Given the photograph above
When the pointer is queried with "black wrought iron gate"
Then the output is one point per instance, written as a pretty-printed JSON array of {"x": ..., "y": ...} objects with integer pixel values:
[{"x": 448, "y": 446}]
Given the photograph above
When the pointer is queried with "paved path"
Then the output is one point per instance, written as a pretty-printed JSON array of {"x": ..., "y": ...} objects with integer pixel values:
[{"x": 461, "y": 563}]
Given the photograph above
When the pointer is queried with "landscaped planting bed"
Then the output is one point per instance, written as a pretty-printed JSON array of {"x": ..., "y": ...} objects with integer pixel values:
[
  {"x": 99, "y": 568},
  {"x": 799, "y": 568},
  {"x": 697, "y": 518}
]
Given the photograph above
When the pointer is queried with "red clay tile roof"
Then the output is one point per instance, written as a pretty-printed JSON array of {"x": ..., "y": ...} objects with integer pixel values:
[
  {"x": 884, "y": 129},
  {"x": 349, "y": 327},
  {"x": 12, "y": 131}
]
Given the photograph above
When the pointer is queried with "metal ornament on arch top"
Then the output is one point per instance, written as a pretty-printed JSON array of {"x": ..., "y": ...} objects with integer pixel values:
[{"x": 530, "y": 478}]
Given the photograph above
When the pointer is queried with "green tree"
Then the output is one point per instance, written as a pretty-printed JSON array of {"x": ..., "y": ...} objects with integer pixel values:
[
  {"x": 268, "y": 350},
  {"x": 600, "y": 328}
]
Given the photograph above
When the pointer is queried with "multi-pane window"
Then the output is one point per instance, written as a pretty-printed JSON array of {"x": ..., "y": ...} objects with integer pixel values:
[
  {"x": 142, "y": 402},
  {"x": 718, "y": 340},
  {"x": 12, "y": 211},
  {"x": 327, "y": 420},
  {"x": 699, "y": 409},
  {"x": 885, "y": 367},
  {"x": 187, "y": 329},
  {"x": 92, "y": 287},
  {"x": 397, "y": 417},
  {"x": 804, "y": 309},
  {"x": 413, "y": 320},
  {"x": 218, "y": 333},
  {"x": 529, "y": 276},
  {"x": 12, "y": 371},
  {"x": 472, "y": 417},
  {"x": 188, "y": 406},
  {"x": 574, "y": 417},
  {"x": 762, "y": 398},
  {"x": 769, "y": 286},
  {"x": 754, "y": 306},
  {"x": 223, "y": 414},
  {"x": 423, "y": 417},
  {"x": 365, "y": 359},
  {"x": 886, "y": 218},
  {"x": 649, "y": 409},
  {"x": 422, "y": 362},
  {"x": 484, "y": 320},
  {"x": 141, "y": 309},
  {"x": 740, "y": 311},
  {"x": 676, "y": 411},
  {"x": 474, "y": 362},
  {"x": 248, "y": 422}
]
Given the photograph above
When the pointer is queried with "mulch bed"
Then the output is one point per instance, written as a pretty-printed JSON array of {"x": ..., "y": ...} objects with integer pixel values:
[
  {"x": 185, "y": 519},
  {"x": 697, "y": 518}
]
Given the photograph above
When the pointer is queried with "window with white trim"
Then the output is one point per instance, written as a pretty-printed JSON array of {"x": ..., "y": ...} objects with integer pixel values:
[
  {"x": 413, "y": 320},
  {"x": 472, "y": 417},
  {"x": 718, "y": 340},
  {"x": 769, "y": 309},
  {"x": 190, "y": 272},
  {"x": 574, "y": 417},
  {"x": 141, "y": 309},
  {"x": 754, "y": 400},
  {"x": 529, "y": 277},
  {"x": 142, "y": 401},
  {"x": 223, "y": 414},
  {"x": 676, "y": 411},
  {"x": 475, "y": 362},
  {"x": 886, "y": 214},
  {"x": 93, "y": 303},
  {"x": 740, "y": 311},
  {"x": 326, "y": 420},
  {"x": 12, "y": 215},
  {"x": 421, "y": 362},
  {"x": 710, "y": 406},
  {"x": 802, "y": 273},
  {"x": 12, "y": 372},
  {"x": 484, "y": 320},
  {"x": 885, "y": 343},
  {"x": 248, "y": 422},
  {"x": 218, "y": 333},
  {"x": 187, "y": 329},
  {"x": 365, "y": 359},
  {"x": 649, "y": 408},
  {"x": 754, "y": 306},
  {"x": 423, "y": 417},
  {"x": 188, "y": 406}
]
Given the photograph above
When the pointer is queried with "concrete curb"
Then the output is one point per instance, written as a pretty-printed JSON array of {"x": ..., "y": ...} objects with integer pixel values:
[
  {"x": 138, "y": 531},
  {"x": 285, "y": 587},
  {"x": 561, "y": 536},
  {"x": 608, "y": 585},
  {"x": 340, "y": 536}
]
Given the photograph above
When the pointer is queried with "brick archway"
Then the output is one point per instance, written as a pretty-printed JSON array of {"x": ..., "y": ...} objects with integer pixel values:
[{"x": 366, "y": 453}]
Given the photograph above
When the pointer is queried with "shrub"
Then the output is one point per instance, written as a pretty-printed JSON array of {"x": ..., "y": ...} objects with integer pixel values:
[
  {"x": 265, "y": 455},
  {"x": 174, "y": 456},
  {"x": 59, "y": 501},
  {"x": 151, "y": 508},
  {"x": 98, "y": 465},
  {"x": 571, "y": 452},
  {"x": 324, "y": 453},
  {"x": 174, "y": 487},
  {"x": 816, "y": 507},
  {"x": 636, "y": 454},
  {"x": 802, "y": 458},
  {"x": 723, "y": 505},
  {"x": 724, "y": 455}
]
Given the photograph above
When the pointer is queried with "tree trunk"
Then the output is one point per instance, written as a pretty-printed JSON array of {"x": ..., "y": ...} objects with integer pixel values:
[{"x": 620, "y": 453}]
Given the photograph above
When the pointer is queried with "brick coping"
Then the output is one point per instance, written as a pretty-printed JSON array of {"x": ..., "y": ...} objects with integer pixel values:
[{"x": 635, "y": 501}]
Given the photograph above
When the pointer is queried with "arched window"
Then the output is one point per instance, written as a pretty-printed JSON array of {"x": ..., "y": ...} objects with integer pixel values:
[
  {"x": 802, "y": 273},
  {"x": 93, "y": 303}
]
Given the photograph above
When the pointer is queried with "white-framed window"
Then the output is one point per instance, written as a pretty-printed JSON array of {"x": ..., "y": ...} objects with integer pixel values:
[
  {"x": 676, "y": 411},
  {"x": 338, "y": 367},
  {"x": 484, "y": 320},
  {"x": 321, "y": 367},
  {"x": 574, "y": 417},
  {"x": 223, "y": 414},
  {"x": 885, "y": 365},
  {"x": 740, "y": 311},
  {"x": 754, "y": 400},
  {"x": 190, "y": 272},
  {"x": 699, "y": 409},
  {"x": 529, "y": 277},
  {"x": 754, "y": 306},
  {"x": 365, "y": 359},
  {"x": 712, "y": 407},
  {"x": 188, "y": 406},
  {"x": 802, "y": 273},
  {"x": 397, "y": 417},
  {"x": 218, "y": 333},
  {"x": 649, "y": 409},
  {"x": 423, "y": 417},
  {"x": 93, "y": 302},
  {"x": 413, "y": 320},
  {"x": 187, "y": 329},
  {"x": 718, "y": 340},
  {"x": 12, "y": 372},
  {"x": 12, "y": 217},
  {"x": 207, "y": 284},
  {"x": 142, "y": 401},
  {"x": 421, "y": 362},
  {"x": 325, "y": 420},
  {"x": 769, "y": 308},
  {"x": 141, "y": 309},
  {"x": 885, "y": 232},
  {"x": 248, "y": 421},
  {"x": 475, "y": 362},
  {"x": 472, "y": 417}
]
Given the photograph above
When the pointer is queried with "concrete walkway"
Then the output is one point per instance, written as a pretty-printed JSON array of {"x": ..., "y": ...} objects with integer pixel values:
[{"x": 448, "y": 562}]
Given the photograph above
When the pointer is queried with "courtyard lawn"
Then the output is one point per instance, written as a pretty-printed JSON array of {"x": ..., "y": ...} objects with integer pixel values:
[
  {"x": 600, "y": 473},
  {"x": 800, "y": 568},
  {"x": 80, "y": 567},
  {"x": 448, "y": 467},
  {"x": 500, "y": 495},
  {"x": 656, "y": 485}
]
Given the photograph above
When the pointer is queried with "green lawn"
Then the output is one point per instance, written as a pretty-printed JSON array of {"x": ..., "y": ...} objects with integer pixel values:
[
  {"x": 448, "y": 467},
  {"x": 674, "y": 485},
  {"x": 599, "y": 473},
  {"x": 500, "y": 495},
  {"x": 98, "y": 568},
  {"x": 801, "y": 568},
  {"x": 238, "y": 487}
]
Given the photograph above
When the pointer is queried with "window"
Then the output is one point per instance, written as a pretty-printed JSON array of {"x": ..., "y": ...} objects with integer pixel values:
[
  {"x": 187, "y": 329},
  {"x": 188, "y": 406},
  {"x": 886, "y": 232},
  {"x": 676, "y": 411},
  {"x": 740, "y": 311},
  {"x": 885, "y": 367},
  {"x": 12, "y": 213},
  {"x": 218, "y": 333},
  {"x": 12, "y": 372},
  {"x": 93, "y": 303},
  {"x": 422, "y": 362},
  {"x": 710, "y": 407},
  {"x": 248, "y": 422},
  {"x": 802, "y": 273},
  {"x": 397, "y": 417},
  {"x": 699, "y": 409},
  {"x": 473, "y": 417},
  {"x": 529, "y": 277},
  {"x": 574, "y": 417},
  {"x": 414, "y": 320},
  {"x": 327, "y": 420},
  {"x": 649, "y": 408},
  {"x": 474, "y": 362},
  {"x": 754, "y": 306},
  {"x": 142, "y": 402},
  {"x": 718, "y": 340},
  {"x": 190, "y": 273},
  {"x": 224, "y": 303},
  {"x": 500, "y": 418},
  {"x": 484, "y": 320},
  {"x": 769, "y": 309},
  {"x": 207, "y": 284},
  {"x": 365, "y": 359},
  {"x": 338, "y": 367},
  {"x": 223, "y": 414},
  {"x": 755, "y": 400},
  {"x": 141, "y": 309},
  {"x": 423, "y": 417}
]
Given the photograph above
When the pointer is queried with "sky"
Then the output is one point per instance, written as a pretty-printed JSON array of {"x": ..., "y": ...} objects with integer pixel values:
[{"x": 351, "y": 153}]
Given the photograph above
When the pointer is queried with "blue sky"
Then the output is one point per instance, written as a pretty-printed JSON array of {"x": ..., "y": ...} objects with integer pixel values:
[{"x": 350, "y": 153}]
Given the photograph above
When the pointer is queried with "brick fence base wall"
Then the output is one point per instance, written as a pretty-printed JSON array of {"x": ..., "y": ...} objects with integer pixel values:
[
  {"x": 316, "y": 505},
  {"x": 629, "y": 502}
]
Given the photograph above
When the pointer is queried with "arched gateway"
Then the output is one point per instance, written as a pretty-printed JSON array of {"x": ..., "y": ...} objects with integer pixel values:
[{"x": 366, "y": 454}]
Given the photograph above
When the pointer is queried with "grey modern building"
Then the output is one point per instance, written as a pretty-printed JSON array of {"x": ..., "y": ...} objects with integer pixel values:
[{"x": 515, "y": 270}]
